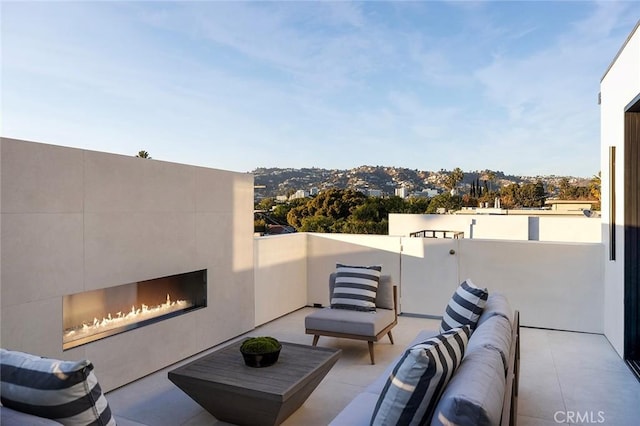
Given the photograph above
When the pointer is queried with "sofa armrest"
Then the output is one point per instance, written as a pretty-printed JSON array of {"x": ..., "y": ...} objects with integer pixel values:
[{"x": 510, "y": 403}]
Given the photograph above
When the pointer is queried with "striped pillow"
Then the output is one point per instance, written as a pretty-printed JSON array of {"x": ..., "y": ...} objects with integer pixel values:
[
  {"x": 418, "y": 379},
  {"x": 355, "y": 287},
  {"x": 465, "y": 307},
  {"x": 65, "y": 391}
]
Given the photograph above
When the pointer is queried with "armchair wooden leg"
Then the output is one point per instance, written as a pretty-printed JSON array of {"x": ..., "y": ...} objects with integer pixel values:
[
  {"x": 371, "y": 352},
  {"x": 315, "y": 339},
  {"x": 390, "y": 336}
]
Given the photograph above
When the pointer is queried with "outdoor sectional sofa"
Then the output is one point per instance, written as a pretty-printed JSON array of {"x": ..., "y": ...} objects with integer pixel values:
[{"x": 483, "y": 389}]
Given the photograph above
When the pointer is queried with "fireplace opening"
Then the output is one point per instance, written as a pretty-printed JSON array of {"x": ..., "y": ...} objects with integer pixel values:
[{"x": 96, "y": 314}]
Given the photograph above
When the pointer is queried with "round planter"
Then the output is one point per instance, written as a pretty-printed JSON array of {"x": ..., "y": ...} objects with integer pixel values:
[{"x": 261, "y": 360}]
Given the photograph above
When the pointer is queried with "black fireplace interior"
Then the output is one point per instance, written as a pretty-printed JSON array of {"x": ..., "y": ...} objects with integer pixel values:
[{"x": 97, "y": 314}]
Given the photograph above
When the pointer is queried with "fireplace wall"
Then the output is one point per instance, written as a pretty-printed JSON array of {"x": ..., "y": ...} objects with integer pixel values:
[
  {"x": 98, "y": 314},
  {"x": 76, "y": 220}
]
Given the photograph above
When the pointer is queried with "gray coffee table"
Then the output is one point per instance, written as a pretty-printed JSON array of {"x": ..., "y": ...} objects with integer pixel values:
[{"x": 223, "y": 385}]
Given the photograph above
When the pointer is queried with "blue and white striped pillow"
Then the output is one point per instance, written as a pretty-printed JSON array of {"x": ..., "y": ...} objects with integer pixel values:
[
  {"x": 356, "y": 287},
  {"x": 418, "y": 379},
  {"x": 65, "y": 391},
  {"x": 464, "y": 307}
]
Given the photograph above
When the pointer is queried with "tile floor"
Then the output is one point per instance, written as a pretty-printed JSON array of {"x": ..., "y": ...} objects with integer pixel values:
[{"x": 565, "y": 378}]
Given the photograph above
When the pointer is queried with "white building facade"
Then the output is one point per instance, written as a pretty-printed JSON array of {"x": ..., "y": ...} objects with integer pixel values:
[{"x": 620, "y": 161}]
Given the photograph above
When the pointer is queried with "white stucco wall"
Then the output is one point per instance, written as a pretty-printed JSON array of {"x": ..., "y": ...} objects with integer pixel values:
[
  {"x": 402, "y": 225},
  {"x": 76, "y": 220},
  {"x": 618, "y": 88},
  {"x": 553, "y": 285},
  {"x": 577, "y": 229},
  {"x": 500, "y": 227},
  {"x": 280, "y": 275},
  {"x": 570, "y": 229},
  {"x": 429, "y": 274},
  {"x": 325, "y": 250}
]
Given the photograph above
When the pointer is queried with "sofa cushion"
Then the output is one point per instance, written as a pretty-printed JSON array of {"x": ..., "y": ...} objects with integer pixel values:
[
  {"x": 378, "y": 384},
  {"x": 464, "y": 307},
  {"x": 65, "y": 391},
  {"x": 355, "y": 287},
  {"x": 9, "y": 417},
  {"x": 497, "y": 304},
  {"x": 494, "y": 333},
  {"x": 358, "y": 412},
  {"x": 350, "y": 322},
  {"x": 418, "y": 379},
  {"x": 384, "y": 294},
  {"x": 474, "y": 396}
]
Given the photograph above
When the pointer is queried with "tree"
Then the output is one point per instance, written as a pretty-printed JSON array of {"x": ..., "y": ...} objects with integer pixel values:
[
  {"x": 351, "y": 226},
  {"x": 335, "y": 204},
  {"x": 280, "y": 211},
  {"x": 510, "y": 196},
  {"x": 265, "y": 204},
  {"x": 491, "y": 177},
  {"x": 454, "y": 178},
  {"x": 595, "y": 185},
  {"x": 349, "y": 211},
  {"x": 567, "y": 192},
  {"x": 316, "y": 224},
  {"x": 416, "y": 205},
  {"x": 468, "y": 200},
  {"x": 540, "y": 194},
  {"x": 445, "y": 200},
  {"x": 527, "y": 195},
  {"x": 143, "y": 154}
]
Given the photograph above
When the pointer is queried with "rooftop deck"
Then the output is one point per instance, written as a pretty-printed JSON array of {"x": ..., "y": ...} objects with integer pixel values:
[{"x": 566, "y": 378}]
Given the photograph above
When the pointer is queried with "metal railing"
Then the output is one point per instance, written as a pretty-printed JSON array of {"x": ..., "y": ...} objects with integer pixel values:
[{"x": 433, "y": 233}]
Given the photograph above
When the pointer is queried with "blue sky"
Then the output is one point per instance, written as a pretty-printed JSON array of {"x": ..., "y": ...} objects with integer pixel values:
[{"x": 510, "y": 86}]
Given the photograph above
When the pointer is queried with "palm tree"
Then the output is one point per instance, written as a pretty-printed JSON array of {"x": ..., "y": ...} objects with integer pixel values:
[
  {"x": 454, "y": 178},
  {"x": 143, "y": 154}
]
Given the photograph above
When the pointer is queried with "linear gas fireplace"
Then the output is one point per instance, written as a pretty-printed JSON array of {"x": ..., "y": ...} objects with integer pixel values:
[{"x": 97, "y": 314}]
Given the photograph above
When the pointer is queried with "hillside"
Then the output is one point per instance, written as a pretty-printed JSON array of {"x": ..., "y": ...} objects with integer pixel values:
[{"x": 271, "y": 182}]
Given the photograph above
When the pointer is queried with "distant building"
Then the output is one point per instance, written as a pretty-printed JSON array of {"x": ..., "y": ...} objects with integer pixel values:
[
  {"x": 313, "y": 191},
  {"x": 575, "y": 206},
  {"x": 402, "y": 192},
  {"x": 374, "y": 193},
  {"x": 300, "y": 193},
  {"x": 281, "y": 198},
  {"x": 425, "y": 193}
]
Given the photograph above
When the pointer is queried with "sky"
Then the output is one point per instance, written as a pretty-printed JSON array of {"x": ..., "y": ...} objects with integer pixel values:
[{"x": 502, "y": 85}]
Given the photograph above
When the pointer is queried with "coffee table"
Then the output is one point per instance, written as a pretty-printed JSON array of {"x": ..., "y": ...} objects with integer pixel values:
[{"x": 232, "y": 392}]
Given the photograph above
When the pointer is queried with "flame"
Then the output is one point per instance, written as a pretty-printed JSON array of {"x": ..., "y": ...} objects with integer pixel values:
[{"x": 119, "y": 319}]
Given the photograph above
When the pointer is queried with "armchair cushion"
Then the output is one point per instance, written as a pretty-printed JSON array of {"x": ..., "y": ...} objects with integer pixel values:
[
  {"x": 350, "y": 322},
  {"x": 355, "y": 287},
  {"x": 384, "y": 294}
]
